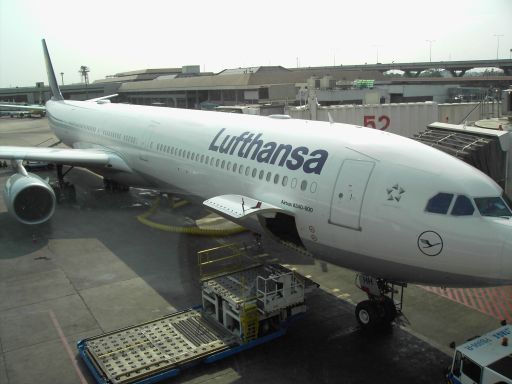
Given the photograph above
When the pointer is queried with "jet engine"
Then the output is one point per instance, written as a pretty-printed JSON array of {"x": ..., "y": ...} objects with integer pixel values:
[{"x": 29, "y": 198}]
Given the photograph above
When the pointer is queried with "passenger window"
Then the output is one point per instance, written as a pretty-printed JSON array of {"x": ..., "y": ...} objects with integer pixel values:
[
  {"x": 269, "y": 175},
  {"x": 254, "y": 171},
  {"x": 234, "y": 167},
  {"x": 303, "y": 185},
  {"x": 462, "y": 207},
  {"x": 439, "y": 203},
  {"x": 262, "y": 172},
  {"x": 229, "y": 166},
  {"x": 276, "y": 178},
  {"x": 285, "y": 181},
  {"x": 222, "y": 164}
]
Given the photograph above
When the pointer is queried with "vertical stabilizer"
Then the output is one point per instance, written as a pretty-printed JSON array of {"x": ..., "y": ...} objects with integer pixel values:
[{"x": 51, "y": 74}]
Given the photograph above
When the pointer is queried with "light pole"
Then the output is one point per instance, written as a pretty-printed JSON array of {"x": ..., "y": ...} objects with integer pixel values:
[
  {"x": 377, "y": 46},
  {"x": 498, "y": 47},
  {"x": 430, "y": 49}
]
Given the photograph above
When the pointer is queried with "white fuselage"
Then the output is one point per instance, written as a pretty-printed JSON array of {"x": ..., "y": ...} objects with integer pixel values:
[{"x": 358, "y": 195}]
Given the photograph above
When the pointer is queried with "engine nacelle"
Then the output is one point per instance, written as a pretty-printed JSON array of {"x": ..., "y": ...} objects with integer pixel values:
[{"x": 29, "y": 198}]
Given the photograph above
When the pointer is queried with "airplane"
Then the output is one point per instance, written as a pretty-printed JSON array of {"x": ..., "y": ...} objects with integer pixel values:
[
  {"x": 20, "y": 110},
  {"x": 391, "y": 208}
]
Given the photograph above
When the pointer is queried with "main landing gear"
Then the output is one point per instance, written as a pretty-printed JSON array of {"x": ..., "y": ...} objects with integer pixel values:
[
  {"x": 381, "y": 308},
  {"x": 114, "y": 186},
  {"x": 64, "y": 191}
]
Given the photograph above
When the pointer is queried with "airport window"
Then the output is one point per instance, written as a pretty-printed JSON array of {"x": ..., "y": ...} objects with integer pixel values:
[
  {"x": 262, "y": 173},
  {"x": 492, "y": 206},
  {"x": 263, "y": 93},
  {"x": 439, "y": 203},
  {"x": 303, "y": 185},
  {"x": 462, "y": 207},
  {"x": 228, "y": 94},
  {"x": 285, "y": 181},
  {"x": 254, "y": 171},
  {"x": 269, "y": 175},
  {"x": 229, "y": 166},
  {"x": 276, "y": 178}
]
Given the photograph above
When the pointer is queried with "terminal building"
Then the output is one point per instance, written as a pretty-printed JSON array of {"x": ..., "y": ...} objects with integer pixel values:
[{"x": 188, "y": 87}]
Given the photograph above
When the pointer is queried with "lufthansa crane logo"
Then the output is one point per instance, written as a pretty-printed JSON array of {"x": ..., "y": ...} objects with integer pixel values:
[{"x": 430, "y": 243}]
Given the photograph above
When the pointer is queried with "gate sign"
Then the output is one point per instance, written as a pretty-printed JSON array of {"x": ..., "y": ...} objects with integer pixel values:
[{"x": 384, "y": 121}]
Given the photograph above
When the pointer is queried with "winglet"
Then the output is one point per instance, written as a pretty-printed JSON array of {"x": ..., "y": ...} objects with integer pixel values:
[{"x": 51, "y": 74}]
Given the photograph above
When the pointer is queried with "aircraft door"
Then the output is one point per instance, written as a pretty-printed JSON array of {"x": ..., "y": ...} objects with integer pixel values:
[
  {"x": 348, "y": 193},
  {"x": 147, "y": 143}
]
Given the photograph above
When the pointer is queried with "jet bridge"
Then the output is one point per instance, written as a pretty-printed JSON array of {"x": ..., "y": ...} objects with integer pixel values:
[
  {"x": 246, "y": 301},
  {"x": 484, "y": 145}
]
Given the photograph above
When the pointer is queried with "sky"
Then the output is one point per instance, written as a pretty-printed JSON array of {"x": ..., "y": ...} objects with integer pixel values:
[{"x": 111, "y": 36}]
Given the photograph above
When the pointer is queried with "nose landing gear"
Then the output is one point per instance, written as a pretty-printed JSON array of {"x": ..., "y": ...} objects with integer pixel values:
[{"x": 383, "y": 306}]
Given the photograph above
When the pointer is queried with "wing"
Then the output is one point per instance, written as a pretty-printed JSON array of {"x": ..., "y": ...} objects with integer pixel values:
[
  {"x": 24, "y": 107},
  {"x": 78, "y": 157}
]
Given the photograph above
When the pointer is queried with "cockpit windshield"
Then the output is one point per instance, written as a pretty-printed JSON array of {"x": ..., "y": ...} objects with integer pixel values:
[{"x": 492, "y": 206}]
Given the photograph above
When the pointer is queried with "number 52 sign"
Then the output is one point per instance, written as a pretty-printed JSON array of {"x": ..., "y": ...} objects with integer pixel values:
[{"x": 384, "y": 121}]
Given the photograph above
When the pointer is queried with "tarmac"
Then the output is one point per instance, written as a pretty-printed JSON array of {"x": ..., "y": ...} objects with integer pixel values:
[{"x": 94, "y": 268}]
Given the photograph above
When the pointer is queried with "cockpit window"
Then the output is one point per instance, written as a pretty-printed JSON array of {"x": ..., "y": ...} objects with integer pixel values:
[
  {"x": 462, "y": 206},
  {"x": 492, "y": 206},
  {"x": 439, "y": 203}
]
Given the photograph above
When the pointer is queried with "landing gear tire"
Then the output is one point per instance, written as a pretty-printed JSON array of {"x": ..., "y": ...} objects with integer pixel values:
[
  {"x": 367, "y": 314},
  {"x": 390, "y": 312},
  {"x": 114, "y": 186},
  {"x": 381, "y": 309}
]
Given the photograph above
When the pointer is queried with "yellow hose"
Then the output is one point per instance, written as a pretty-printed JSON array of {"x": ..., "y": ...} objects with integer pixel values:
[{"x": 144, "y": 219}]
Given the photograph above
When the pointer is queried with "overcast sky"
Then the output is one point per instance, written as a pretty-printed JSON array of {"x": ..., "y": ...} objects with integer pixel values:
[{"x": 114, "y": 36}]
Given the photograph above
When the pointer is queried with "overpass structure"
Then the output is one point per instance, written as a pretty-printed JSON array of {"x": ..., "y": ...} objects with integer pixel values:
[{"x": 456, "y": 68}]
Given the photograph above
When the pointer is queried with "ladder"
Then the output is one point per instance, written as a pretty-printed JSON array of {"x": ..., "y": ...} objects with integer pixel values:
[{"x": 250, "y": 322}]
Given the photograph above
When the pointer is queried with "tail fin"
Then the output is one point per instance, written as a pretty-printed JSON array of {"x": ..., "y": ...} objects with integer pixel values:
[{"x": 51, "y": 74}]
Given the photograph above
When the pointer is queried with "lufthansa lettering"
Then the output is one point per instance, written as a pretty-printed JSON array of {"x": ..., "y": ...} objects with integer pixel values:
[{"x": 250, "y": 145}]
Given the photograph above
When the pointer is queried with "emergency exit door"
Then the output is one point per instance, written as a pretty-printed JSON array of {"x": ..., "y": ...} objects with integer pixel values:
[{"x": 348, "y": 194}]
